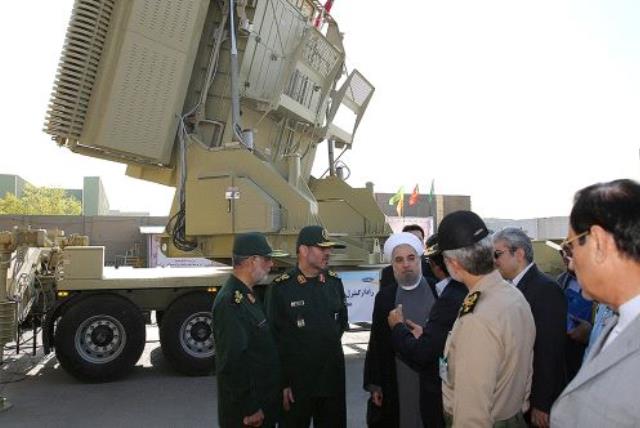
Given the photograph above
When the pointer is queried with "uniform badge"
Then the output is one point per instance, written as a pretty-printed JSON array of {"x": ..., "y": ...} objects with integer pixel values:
[
  {"x": 300, "y": 322},
  {"x": 469, "y": 303},
  {"x": 251, "y": 298},
  {"x": 443, "y": 369},
  {"x": 282, "y": 277},
  {"x": 297, "y": 303},
  {"x": 301, "y": 279},
  {"x": 332, "y": 273},
  {"x": 237, "y": 297}
]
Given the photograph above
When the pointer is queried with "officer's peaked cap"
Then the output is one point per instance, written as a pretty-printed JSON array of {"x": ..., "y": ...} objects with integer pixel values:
[
  {"x": 316, "y": 236},
  {"x": 253, "y": 244}
]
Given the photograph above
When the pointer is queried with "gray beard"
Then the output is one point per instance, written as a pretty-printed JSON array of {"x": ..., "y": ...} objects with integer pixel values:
[{"x": 408, "y": 281}]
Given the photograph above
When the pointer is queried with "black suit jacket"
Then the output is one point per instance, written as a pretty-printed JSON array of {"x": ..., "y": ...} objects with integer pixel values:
[
  {"x": 422, "y": 354},
  {"x": 549, "y": 309},
  {"x": 380, "y": 363}
]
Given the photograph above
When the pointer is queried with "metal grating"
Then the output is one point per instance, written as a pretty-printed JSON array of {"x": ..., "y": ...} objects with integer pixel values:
[
  {"x": 320, "y": 55},
  {"x": 359, "y": 89},
  {"x": 78, "y": 68}
]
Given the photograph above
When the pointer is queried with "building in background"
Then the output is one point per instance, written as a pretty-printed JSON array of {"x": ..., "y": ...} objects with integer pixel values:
[
  {"x": 92, "y": 196},
  {"x": 10, "y": 183},
  {"x": 427, "y": 212},
  {"x": 539, "y": 229}
]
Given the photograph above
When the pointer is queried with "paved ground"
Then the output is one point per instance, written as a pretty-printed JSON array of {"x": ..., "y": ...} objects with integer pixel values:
[{"x": 44, "y": 395}]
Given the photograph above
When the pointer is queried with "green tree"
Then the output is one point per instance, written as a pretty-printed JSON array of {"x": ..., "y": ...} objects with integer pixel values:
[{"x": 40, "y": 201}]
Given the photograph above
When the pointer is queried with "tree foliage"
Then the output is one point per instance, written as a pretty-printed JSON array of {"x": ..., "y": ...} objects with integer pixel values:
[{"x": 40, "y": 201}]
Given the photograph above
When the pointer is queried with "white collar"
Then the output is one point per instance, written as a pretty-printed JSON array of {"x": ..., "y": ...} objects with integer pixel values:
[
  {"x": 441, "y": 285},
  {"x": 519, "y": 276},
  {"x": 628, "y": 311},
  {"x": 411, "y": 287}
]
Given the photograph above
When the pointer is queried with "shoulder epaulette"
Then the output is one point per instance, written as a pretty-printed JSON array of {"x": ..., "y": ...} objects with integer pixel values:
[
  {"x": 237, "y": 297},
  {"x": 469, "y": 303},
  {"x": 282, "y": 277}
]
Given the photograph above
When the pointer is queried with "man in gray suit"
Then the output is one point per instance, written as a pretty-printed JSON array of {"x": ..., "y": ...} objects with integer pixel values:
[{"x": 604, "y": 247}]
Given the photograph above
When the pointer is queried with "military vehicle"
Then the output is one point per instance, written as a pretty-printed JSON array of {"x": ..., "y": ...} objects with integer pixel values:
[{"x": 228, "y": 102}]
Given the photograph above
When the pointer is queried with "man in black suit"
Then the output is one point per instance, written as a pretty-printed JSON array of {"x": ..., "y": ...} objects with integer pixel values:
[
  {"x": 421, "y": 347},
  {"x": 514, "y": 258}
]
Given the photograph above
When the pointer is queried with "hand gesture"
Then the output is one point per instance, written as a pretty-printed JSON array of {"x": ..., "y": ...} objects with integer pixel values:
[
  {"x": 416, "y": 329},
  {"x": 287, "y": 398},
  {"x": 395, "y": 316},
  {"x": 376, "y": 397},
  {"x": 254, "y": 420}
]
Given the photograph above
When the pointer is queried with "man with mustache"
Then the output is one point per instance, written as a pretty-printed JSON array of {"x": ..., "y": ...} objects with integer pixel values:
[
  {"x": 247, "y": 369},
  {"x": 307, "y": 310}
]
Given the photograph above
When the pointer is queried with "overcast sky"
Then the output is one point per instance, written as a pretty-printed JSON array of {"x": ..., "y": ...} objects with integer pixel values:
[{"x": 517, "y": 104}]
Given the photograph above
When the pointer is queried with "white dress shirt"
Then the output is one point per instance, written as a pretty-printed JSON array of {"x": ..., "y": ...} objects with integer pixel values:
[
  {"x": 441, "y": 285},
  {"x": 519, "y": 276},
  {"x": 629, "y": 311}
]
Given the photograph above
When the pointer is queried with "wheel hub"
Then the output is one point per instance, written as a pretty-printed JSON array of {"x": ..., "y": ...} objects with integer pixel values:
[
  {"x": 196, "y": 335},
  {"x": 100, "y": 339}
]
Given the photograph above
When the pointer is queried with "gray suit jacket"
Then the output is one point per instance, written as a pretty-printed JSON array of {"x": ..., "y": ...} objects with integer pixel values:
[{"x": 606, "y": 390}]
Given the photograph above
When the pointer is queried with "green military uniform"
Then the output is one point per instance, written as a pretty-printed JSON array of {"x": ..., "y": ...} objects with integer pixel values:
[
  {"x": 308, "y": 316},
  {"x": 247, "y": 365}
]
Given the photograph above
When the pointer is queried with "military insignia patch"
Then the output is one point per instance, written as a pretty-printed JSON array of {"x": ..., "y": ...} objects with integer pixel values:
[
  {"x": 469, "y": 303},
  {"x": 237, "y": 297},
  {"x": 282, "y": 277},
  {"x": 301, "y": 279}
]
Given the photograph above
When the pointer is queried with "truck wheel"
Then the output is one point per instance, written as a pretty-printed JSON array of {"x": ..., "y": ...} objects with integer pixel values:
[
  {"x": 100, "y": 338},
  {"x": 186, "y": 335}
]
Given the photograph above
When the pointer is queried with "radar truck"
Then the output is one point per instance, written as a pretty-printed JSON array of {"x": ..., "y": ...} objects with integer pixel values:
[{"x": 228, "y": 101}]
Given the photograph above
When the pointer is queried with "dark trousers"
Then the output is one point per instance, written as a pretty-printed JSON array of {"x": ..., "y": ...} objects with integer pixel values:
[{"x": 326, "y": 412}]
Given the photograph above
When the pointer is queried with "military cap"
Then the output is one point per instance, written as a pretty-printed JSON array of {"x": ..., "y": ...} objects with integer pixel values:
[
  {"x": 460, "y": 229},
  {"x": 316, "y": 236},
  {"x": 253, "y": 244}
]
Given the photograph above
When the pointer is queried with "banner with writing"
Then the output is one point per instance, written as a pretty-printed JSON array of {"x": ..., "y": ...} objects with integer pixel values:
[{"x": 360, "y": 288}]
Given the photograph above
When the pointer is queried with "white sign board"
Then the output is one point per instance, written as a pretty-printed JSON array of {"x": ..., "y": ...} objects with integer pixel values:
[
  {"x": 158, "y": 259},
  {"x": 397, "y": 223},
  {"x": 361, "y": 288}
]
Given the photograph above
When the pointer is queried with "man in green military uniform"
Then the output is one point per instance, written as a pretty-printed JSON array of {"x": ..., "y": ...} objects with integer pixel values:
[
  {"x": 308, "y": 313},
  {"x": 247, "y": 365}
]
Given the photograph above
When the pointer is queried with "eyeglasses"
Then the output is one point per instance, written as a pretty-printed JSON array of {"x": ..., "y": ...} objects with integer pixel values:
[
  {"x": 498, "y": 253},
  {"x": 567, "y": 244}
]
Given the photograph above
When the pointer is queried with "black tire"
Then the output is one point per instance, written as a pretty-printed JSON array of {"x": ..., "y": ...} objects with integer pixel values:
[
  {"x": 100, "y": 338},
  {"x": 186, "y": 335}
]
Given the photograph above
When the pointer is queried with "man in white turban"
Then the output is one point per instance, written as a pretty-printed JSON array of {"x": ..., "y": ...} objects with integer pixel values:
[{"x": 394, "y": 386}]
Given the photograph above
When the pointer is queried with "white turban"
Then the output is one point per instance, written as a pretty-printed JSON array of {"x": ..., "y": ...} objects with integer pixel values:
[{"x": 402, "y": 238}]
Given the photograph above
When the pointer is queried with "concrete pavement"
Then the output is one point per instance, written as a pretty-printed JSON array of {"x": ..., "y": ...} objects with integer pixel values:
[{"x": 44, "y": 395}]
